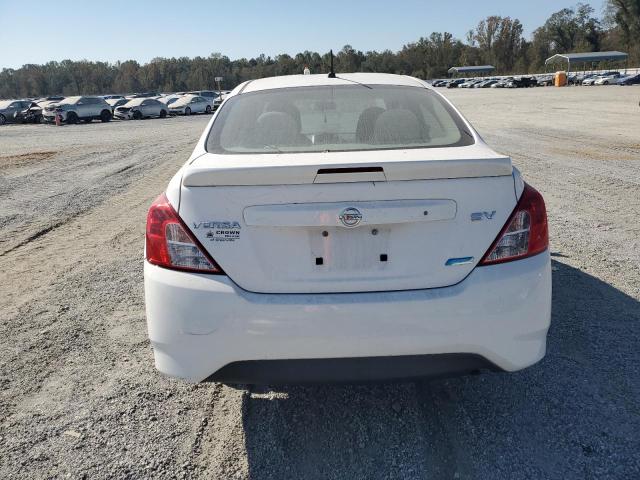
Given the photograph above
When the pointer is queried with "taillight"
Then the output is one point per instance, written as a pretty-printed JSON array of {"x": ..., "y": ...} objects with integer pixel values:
[
  {"x": 171, "y": 245},
  {"x": 526, "y": 232}
]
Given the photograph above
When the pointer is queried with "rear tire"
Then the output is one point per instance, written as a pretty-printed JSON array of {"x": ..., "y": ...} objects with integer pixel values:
[
  {"x": 207, "y": 110},
  {"x": 105, "y": 116},
  {"x": 187, "y": 111},
  {"x": 163, "y": 113},
  {"x": 72, "y": 118}
]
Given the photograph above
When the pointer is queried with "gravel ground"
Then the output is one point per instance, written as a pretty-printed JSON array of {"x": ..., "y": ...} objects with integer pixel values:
[{"x": 79, "y": 396}]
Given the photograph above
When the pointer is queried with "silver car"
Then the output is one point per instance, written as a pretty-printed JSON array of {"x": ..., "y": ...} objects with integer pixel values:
[
  {"x": 189, "y": 104},
  {"x": 9, "y": 108},
  {"x": 75, "y": 109},
  {"x": 139, "y": 108},
  {"x": 214, "y": 98}
]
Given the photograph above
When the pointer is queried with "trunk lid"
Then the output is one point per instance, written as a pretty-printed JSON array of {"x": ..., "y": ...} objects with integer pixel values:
[
  {"x": 348, "y": 221},
  {"x": 300, "y": 168}
]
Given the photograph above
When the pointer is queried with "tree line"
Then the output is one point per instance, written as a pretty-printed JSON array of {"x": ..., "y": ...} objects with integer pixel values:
[{"x": 495, "y": 40}]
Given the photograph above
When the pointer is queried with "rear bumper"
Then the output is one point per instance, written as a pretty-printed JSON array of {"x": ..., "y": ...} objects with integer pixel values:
[
  {"x": 355, "y": 369},
  {"x": 204, "y": 326}
]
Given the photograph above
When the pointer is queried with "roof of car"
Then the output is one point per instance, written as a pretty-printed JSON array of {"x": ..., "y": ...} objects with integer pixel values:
[
  {"x": 288, "y": 81},
  {"x": 136, "y": 101},
  {"x": 184, "y": 98},
  {"x": 73, "y": 99}
]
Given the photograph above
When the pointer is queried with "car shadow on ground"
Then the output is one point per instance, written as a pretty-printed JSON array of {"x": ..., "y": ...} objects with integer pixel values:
[{"x": 573, "y": 415}]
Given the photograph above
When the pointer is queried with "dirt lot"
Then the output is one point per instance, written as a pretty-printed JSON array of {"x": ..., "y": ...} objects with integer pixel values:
[{"x": 79, "y": 396}]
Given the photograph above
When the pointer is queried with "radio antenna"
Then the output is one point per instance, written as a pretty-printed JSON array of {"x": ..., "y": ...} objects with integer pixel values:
[{"x": 332, "y": 74}]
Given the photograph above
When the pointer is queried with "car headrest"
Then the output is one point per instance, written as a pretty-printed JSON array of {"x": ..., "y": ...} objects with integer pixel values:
[
  {"x": 367, "y": 123},
  {"x": 398, "y": 126},
  {"x": 284, "y": 106},
  {"x": 276, "y": 128}
]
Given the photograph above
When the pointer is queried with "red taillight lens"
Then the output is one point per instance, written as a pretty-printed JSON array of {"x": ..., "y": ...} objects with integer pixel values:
[
  {"x": 170, "y": 244},
  {"x": 526, "y": 232}
]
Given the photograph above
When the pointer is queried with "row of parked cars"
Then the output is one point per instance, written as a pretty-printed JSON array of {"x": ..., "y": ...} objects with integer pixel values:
[
  {"x": 603, "y": 78},
  {"x": 509, "y": 82},
  {"x": 87, "y": 108}
]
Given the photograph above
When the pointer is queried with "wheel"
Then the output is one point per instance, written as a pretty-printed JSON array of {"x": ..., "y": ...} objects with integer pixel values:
[
  {"x": 187, "y": 111},
  {"x": 72, "y": 118},
  {"x": 137, "y": 115},
  {"x": 105, "y": 116},
  {"x": 3, "y": 120},
  {"x": 163, "y": 113},
  {"x": 605, "y": 82},
  {"x": 207, "y": 110}
]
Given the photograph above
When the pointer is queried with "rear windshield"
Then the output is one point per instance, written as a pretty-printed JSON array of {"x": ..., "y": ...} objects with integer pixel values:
[{"x": 340, "y": 118}]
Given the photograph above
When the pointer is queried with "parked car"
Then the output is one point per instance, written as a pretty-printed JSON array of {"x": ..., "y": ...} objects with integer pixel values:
[
  {"x": 9, "y": 108},
  {"x": 521, "y": 82},
  {"x": 169, "y": 99},
  {"x": 188, "y": 104},
  {"x": 572, "y": 78},
  {"x": 214, "y": 98},
  {"x": 74, "y": 109},
  {"x": 581, "y": 77},
  {"x": 456, "y": 83},
  {"x": 546, "y": 80},
  {"x": 389, "y": 242},
  {"x": 116, "y": 102},
  {"x": 629, "y": 80},
  {"x": 139, "y": 108},
  {"x": 31, "y": 114},
  {"x": 502, "y": 83},
  {"x": 591, "y": 79},
  {"x": 471, "y": 83},
  {"x": 607, "y": 79},
  {"x": 486, "y": 83},
  {"x": 112, "y": 97},
  {"x": 44, "y": 101}
]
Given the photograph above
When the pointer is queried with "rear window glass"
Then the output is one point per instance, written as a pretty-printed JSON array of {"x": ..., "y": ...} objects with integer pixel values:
[{"x": 340, "y": 118}]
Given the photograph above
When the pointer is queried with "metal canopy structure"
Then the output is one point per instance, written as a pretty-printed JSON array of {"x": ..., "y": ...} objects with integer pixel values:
[
  {"x": 471, "y": 69},
  {"x": 586, "y": 57}
]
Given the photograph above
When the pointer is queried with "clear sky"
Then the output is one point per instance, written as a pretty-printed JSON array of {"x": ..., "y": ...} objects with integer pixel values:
[{"x": 36, "y": 31}]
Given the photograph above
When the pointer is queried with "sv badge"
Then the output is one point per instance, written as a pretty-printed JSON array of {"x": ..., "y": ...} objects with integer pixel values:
[{"x": 477, "y": 216}]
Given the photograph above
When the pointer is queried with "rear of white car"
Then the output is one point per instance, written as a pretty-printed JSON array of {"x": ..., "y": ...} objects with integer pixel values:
[{"x": 345, "y": 229}]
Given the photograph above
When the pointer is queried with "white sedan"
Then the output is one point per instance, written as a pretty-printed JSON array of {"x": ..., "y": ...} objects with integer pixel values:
[
  {"x": 139, "y": 108},
  {"x": 188, "y": 104},
  {"x": 591, "y": 80},
  {"x": 610, "y": 79},
  {"x": 340, "y": 229}
]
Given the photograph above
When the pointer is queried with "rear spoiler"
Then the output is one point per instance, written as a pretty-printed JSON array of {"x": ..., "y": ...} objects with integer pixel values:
[{"x": 206, "y": 174}]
